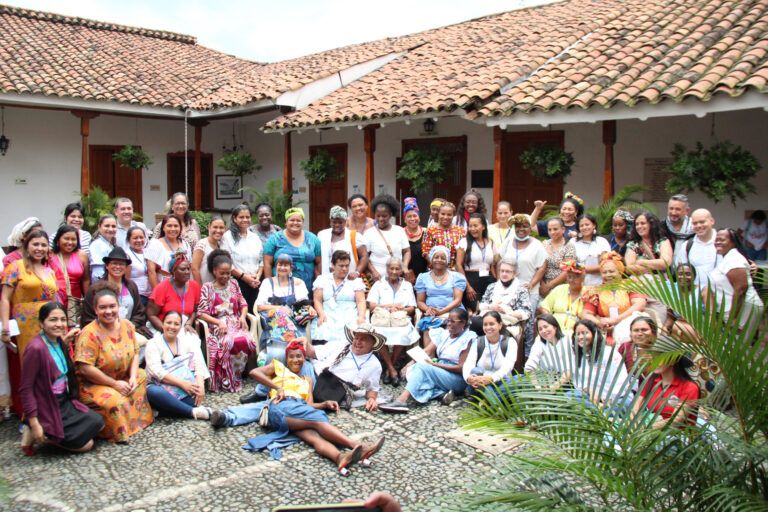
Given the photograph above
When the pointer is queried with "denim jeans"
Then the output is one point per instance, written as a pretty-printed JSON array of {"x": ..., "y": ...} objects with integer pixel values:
[{"x": 167, "y": 404}]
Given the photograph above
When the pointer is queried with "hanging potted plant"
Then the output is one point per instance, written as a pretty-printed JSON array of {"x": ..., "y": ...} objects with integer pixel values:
[
  {"x": 423, "y": 167},
  {"x": 238, "y": 163},
  {"x": 547, "y": 162},
  {"x": 724, "y": 170},
  {"x": 133, "y": 157},
  {"x": 320, "y": 167}
]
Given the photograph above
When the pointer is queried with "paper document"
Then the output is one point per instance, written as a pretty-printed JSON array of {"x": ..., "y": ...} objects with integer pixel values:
[{"x": 417, "y": 354}]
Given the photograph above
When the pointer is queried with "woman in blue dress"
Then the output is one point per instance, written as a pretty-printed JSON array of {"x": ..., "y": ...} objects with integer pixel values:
[
  {"x": 302, "y": 246},
  {"x": 438, "y": 291},
  {"x": 440, "y": 377}
]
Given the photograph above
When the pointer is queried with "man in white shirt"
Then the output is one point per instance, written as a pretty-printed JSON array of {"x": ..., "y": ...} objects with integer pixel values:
[
  {"x": 700, "y": 251},
  {"x": 124, "y": 216},
  {"x": 677, "y": 226}
]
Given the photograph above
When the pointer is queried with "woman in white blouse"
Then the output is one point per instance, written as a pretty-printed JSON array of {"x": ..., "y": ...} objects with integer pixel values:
[
  {"x": 552, "y": 349},
  {"x": 177, "y": 372},
  {"x": 730, "y": 283},
  {"x": 392, "y": 304},
  {"x": 247, "y": 253},
  {"x": 476, "y": 255},
  {"x": 136, "y": 239},
  {"x": 491, "y": 357},
  {"x": 160, "y": 250},
  {"x": 589, "y": 246},
  {"x": 102, "y": 244},
  {"x": 386, "y": 239}
]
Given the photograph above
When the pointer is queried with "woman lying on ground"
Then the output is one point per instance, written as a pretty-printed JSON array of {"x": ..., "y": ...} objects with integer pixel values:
[
  {"x": 52, "y": 413},
  {"x": 441, "y": 376},
  {"x": 177, "y": 372},
  {"x": 293, "y": 414}
]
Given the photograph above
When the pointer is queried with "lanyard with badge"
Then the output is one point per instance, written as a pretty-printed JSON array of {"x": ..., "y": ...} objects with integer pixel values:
[
  {"x": 447, "y": 345},
  {"x": 182, "y": 297},
  {"x": 358, "y": 381},
  {"x": 491, "y": 354},
  {"x": 336, "y": 290},
  {"x": 483, "y": 272}
]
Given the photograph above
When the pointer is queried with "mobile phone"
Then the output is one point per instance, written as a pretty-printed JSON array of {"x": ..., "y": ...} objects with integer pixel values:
[{"x": 352, "y": 506}]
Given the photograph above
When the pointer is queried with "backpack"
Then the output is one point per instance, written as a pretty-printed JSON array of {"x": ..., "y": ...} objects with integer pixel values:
[{"x": 503, "y": 342}]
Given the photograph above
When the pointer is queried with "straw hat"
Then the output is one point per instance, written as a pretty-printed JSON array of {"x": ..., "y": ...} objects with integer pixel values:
[{"x": 378, "y": 339}]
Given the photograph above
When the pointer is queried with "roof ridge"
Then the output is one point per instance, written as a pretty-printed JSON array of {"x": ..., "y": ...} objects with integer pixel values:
[{"x": 95, "y": 24}]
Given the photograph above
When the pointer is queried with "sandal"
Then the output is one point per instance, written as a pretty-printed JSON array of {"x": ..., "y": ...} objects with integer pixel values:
[
  {"x": 370, "y": 449},
  {"x": 349, "y": 458},
  {"x": 27, "y": 443}
]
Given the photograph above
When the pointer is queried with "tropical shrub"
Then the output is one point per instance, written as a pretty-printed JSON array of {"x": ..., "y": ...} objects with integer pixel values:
[
  {"x": 133, "y": 157},
  {"x": 423, "y": 167},
  {"x": 320, "y": 167},
  {"x": 547, "y": 162},
  {"x": 623, "y": 199},
  {"x": 238, "y": 163},
  {"x": 203, "y": 219},
  {"x": 95, "y": 204},
  {"x": 275, "y": 197}
]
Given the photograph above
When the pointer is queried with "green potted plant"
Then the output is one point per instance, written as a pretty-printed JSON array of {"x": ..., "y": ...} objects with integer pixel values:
[
  {"x": 423, "y": 167},
  {"x": 238, "y": 163},
  {"x": 133, "y": 157},
  {"x": 547, "y": 162},
  {"x": 724, "y": 170},
  {"x": 95, "y": 204},
  {"x": 275, "y": 197},
  {"x": 320, "y": 167}
]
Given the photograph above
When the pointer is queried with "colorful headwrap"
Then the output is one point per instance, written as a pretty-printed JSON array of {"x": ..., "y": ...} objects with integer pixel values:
[
  {"x": 290, "y": 212},
  {"x": 571, "y": 195},
  {"x": 436, "y": 202},
  {"x": 337, "y": 212},
  {"x": 410, "y": 204},
  {"x": 20, "y": 229},
  {"x": 571, "y": 267},
  {"x": 625, "y": 216},
  {"x": 179, "y": 257},
  {"x": 520, "y": 218},
  {"x": 612, "y": 257},
  {"x": 296, "y": 345},
  {"x": 440, "y": 248}
]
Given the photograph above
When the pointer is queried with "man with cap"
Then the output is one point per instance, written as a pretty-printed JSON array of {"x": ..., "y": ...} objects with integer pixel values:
[
  {"x": 349, "y": 370},
  {"x": 340, "y": 238}
]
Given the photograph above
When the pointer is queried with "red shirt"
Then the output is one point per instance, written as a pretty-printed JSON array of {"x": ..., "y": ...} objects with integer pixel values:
[
  {"x": 678, "y": 392},
  {"x": 166, "y": 296}
]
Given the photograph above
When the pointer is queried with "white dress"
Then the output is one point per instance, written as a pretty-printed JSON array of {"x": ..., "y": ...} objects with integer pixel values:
[
  {"x": 588, "y": 253},
  {"x": 339, "y": 305},
  {"x": 379, "y": 250},
  {"x": 382, "y": 293},
  {"x": 719, "y": 283}
]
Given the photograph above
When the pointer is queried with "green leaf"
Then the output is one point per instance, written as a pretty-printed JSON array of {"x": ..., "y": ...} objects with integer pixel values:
[{"x": 423, "y": 167}]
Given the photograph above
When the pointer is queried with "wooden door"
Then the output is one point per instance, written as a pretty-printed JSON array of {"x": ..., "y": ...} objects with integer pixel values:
[
  {"x": 518, "y": 186},
  {"x": 113, "y": 177},
  {"x": 455, "y": 148},
  {"x": 333, "y": 192},
  {"x": 176, "y": 178}
]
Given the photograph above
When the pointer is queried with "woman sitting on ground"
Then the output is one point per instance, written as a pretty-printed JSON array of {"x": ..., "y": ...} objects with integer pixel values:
[
  {"x": 648, "y": 251},
  {"x": 73, "y": 275},
  {"x": 669, "y": 391},
  {"x": 131, "y": 307},
  {"x": 475, "y": 258},
  {"x": 111, "y": 382},
  {"x": 392, "y": 305},
  {"x": 444, "y": 234},
  {"x": 565, "y": 301},
  {"x": 280, "y": 299},
  {"x": 49, "y": 388},
  {"x": 292, "y": 410},
  {"x": 177, "y": 371},
  {"x": 438, "y": 291},
  {"x": 552, "y": 351},
  {"x": 338, "y": 301},
  {"x": 429, "y": 379},
  {"x": 161, "y": 250},
  {"x": 492, "y": 356},
  {"x": 223, "y": 307},
  {"x": 508, "y": 298},
  {"x": 612, "y": 310}
]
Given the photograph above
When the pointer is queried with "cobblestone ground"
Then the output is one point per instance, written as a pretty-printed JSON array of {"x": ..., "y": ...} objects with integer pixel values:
[{"x": 187, "y": 465}]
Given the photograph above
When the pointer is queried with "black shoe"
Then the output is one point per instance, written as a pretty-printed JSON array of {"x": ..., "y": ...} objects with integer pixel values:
[
  {"x": 448, "y": 398},
  {"x": 217, "y": 419},
  {"x": 253, "y": 396},
  {"x": 396, "y": 381},
  {"x": 386, "y": 379}
]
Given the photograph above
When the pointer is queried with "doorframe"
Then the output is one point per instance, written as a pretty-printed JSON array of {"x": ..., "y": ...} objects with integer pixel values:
[
  {"x": 345, "y": 171},
  {"x": 139, "y": 208},
  {"x": 190, "y": 154}
]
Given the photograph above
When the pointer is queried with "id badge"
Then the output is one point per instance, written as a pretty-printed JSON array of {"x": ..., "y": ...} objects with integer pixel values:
[
  {"x": 483, "y": 272},
  {"x": 613, "y": 312}
]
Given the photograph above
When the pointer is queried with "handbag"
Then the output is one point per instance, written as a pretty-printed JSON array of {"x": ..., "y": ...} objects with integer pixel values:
[
  {"x": 74, "y": 304},
  {"x": 264, "y": 414},
  {"x": 181, "y": 368},
  {"x": 381, "y": 317},
  {"x": 329, "y": 387},
  {"x": 367, "y": 280}
]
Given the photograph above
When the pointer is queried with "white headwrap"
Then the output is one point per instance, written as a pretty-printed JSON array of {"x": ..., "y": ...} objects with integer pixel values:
[{"x": 20, "y": 229}]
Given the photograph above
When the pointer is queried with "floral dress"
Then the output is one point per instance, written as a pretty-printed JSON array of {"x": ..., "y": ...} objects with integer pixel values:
[
  {"x": 30, "y": 293},
  {"x": 228, "y": 352},
  {"x": 123, "y": 416},
  {"x": 555, "y": 257}
]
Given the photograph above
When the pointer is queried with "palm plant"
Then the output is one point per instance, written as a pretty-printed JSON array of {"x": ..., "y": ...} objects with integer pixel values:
[
  {"x": 95, "y": 204},
  {"x": 582, "y": 457},
  {"x": 275, "y": 197},
  {"x": 624, "y": 199}
]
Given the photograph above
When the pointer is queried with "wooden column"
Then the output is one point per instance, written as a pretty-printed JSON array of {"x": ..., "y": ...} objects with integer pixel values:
[
  {"x": 609, "y": 139},
  {"x": 85, "y": 130},
  {"x": 287, "y": 165},
  {"x": 498, "y": 148},
  {"x": 369, "y": 146},
  {"x": 198, "y": 176}
]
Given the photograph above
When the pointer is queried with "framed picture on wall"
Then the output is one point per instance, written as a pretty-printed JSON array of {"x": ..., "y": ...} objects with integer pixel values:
[{"x": 228, "y": 187}]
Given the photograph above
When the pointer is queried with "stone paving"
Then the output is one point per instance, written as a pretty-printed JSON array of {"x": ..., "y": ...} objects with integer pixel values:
[{"x": 185, "y": 464}]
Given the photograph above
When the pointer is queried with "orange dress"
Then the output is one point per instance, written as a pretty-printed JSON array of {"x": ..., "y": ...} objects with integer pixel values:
[{"x": 124, "y": 416}]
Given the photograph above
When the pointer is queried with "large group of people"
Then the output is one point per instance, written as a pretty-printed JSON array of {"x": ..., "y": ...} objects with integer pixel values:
[{"x": 99, "y": 330}]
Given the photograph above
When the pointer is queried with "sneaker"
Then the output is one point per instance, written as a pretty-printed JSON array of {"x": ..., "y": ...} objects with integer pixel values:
[
  {"x": 252, "y": 397},
  {"x": 394, "y": 407},
  {"x": 201, "y": 413},
  {"x": 217, "y": 419},
  {"x": 448, "y": 398}
]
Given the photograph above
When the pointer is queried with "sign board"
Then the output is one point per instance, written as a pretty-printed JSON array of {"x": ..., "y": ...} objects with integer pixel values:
[{"x": 655, "y": 176}]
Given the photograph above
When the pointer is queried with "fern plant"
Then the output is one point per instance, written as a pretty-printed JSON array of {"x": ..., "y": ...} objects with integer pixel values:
[
  {"x": 275, "y": 197},
  {"x": 133, "y": 157},
  {"x": 320, "y": 167},
  {"x": 582, "y": 457},
  {"x": 547, "y": 162},
  {"x": 423, "y": 167},
  {"x": 238, "y": 163},
  {"x": 624, "y": 199}
]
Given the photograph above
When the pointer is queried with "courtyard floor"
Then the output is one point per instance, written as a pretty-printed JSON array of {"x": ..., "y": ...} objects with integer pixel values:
[{"x": 186, "y": 464}]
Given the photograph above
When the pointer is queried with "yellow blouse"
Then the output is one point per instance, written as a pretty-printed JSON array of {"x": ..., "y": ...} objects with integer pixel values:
[{"x": 293, "y": 385}]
